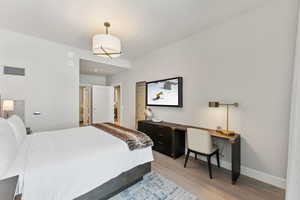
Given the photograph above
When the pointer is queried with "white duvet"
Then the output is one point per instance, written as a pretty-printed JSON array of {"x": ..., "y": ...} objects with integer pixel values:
[{"x": 62, "y": 165}]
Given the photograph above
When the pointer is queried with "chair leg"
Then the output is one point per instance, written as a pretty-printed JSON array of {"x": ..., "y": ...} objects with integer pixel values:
[
  {"x": 195, "y": 156},
  {"x": 218, "y": 158},
  {"x": 209, "y": 166},
  {"x": 186, "y": 157}
]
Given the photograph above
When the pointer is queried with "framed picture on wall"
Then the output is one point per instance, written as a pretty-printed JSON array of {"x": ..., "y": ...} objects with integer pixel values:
[{"x": 166, "y": 92}]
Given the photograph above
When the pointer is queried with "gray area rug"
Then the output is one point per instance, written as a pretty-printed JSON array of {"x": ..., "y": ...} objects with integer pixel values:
[{"x": 154, "y": 187}]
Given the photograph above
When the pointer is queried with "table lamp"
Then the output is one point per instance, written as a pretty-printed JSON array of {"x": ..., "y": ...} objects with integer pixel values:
[
  {"x": 7, "y": 106},
  {"x": 148, "y": 114},
  {"x": 216, "y": 104}
]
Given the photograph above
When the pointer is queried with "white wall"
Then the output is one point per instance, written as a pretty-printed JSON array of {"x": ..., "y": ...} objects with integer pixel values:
[
  {"x": 86, "y": 79},
  {"x": 293, "y": 175},
  {"x": 51, "y": 84},
  {"x": 246, "y": 59}
]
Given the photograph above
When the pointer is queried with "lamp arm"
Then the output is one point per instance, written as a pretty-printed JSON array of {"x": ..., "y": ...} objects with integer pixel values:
[
  {"x": 217, "y": 104},
  {"x": 229, "y": 104}
]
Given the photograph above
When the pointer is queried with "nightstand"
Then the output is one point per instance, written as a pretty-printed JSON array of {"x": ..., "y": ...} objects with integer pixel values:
[
  {"x": 8, "y": 188},
  {"x": 28, "y": 131}
]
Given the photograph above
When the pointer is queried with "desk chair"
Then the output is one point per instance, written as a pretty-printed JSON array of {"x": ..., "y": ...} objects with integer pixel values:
[{"x": 200, "y": 142}]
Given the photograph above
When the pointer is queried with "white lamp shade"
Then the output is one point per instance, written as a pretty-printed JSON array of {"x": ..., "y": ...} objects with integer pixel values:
[
  {"x": 8, "y": 105},
  {"x": 109, "y": 43},
  {"x": 148, "y": 113}
]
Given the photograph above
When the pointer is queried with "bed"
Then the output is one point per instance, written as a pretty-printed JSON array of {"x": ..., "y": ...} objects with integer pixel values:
[{"x": 77, "y": 163}]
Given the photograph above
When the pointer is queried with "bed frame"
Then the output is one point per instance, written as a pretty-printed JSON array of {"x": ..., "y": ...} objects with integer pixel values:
[{"x": 118, "y": 184}]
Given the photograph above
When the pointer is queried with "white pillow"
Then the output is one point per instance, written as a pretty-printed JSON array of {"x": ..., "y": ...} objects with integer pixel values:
[
  {"x": 8, "y": 146},
  {"x": 18, "y": 127}
]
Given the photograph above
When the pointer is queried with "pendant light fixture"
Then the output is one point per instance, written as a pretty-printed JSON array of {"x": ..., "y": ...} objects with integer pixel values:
[{"x": 106, "y": 45}]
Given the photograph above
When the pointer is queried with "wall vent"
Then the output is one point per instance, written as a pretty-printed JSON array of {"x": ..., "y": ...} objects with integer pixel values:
[{"x": 16, "y": 71}]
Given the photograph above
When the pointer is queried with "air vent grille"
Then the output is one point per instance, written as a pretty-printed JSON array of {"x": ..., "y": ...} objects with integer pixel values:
[{"x": 16, "y": 71}]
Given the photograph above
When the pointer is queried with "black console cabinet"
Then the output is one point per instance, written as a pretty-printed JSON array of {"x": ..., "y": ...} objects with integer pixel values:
[{"x": 167, "y": 139}]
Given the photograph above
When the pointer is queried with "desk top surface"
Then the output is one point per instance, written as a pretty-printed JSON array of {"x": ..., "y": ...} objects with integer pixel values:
[{"x": 212, "y": 132}]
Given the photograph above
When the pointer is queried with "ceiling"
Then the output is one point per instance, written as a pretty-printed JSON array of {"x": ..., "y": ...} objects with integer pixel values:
[
  {"x": 142, "y": 25},
  {"x": 95, "y": 68}
]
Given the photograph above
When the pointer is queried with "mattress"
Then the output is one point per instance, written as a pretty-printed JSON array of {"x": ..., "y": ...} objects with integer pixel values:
[{"x": 64, "y": 164}]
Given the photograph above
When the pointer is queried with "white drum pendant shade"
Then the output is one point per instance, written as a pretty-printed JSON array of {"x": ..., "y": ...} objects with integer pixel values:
[{"x": 106, "y": 44}]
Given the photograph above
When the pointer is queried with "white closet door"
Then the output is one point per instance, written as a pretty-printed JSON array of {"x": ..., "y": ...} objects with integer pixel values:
[{"x": 103, "y": 104}]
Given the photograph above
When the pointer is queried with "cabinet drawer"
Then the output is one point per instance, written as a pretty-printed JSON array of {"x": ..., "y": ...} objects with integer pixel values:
[
  {"x": 147, "y": 129},
  {"x": 166, "y": 140},
  {"x": 163, "y": 139}
]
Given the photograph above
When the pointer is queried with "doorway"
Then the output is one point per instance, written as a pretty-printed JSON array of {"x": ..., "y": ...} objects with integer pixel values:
[
  {"x": 117, "y": 104},
  {"x": 140, "y": 101},
  {"x": 85, "y": 105}
]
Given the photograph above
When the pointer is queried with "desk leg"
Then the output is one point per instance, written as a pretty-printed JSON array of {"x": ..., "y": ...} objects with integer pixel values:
[{"x": 236, "y": 159}]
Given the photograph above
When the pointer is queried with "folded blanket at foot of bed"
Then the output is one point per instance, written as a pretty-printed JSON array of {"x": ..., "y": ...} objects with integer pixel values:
[{"x": 133, "y": 138}]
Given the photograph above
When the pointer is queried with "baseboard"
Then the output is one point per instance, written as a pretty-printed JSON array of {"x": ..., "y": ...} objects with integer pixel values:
[
  {"x": 258, "y": 175},
  {"x": 264, "y": 177}
]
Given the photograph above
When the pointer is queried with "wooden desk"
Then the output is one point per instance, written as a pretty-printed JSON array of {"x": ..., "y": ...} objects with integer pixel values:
[{"x": 234, "y": 140}]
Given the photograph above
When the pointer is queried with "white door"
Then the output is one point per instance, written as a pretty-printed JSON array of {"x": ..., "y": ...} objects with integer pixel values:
[{"x": 103, "y": 104}]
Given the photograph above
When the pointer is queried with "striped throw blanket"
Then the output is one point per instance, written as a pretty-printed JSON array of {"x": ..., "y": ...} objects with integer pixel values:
[{"x": 133, "y": 138}]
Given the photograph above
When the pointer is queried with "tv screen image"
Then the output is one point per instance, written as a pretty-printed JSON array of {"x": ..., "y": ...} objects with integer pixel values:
[{"x": 167, "y": 92}]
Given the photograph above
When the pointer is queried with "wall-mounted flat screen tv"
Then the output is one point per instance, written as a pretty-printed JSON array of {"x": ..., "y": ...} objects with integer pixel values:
[{"x": 167, "y": 92}]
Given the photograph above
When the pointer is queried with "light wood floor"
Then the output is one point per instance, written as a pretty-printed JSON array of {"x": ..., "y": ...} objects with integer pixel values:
[{"x": 195, "y": 179}]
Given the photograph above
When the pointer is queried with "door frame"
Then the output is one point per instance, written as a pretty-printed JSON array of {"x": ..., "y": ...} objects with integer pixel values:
[
  {"x": 90, "y": 103},
  {"x": 121, "y": 101},
  {"x": 117, "y": 89},
  {"x": 135, "y": 118}
]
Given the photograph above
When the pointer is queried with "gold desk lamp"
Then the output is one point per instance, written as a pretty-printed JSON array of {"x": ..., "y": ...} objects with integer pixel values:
[{"x": 216, "y": 104}]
